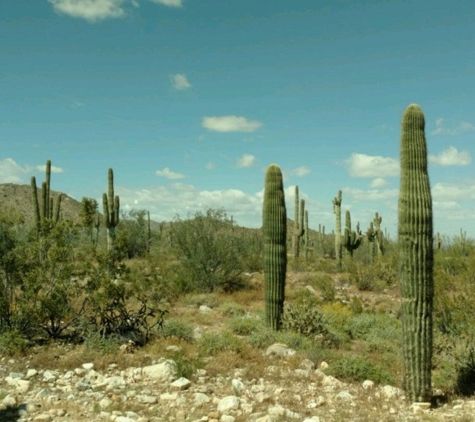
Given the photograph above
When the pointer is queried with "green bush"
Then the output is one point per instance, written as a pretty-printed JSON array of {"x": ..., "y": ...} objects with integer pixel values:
[
  {"x": 210, "y": 251},
  {"x": 213, "y": 343},
  {"x": 177, "y": 329},
  {"x": 103, "y": 345},
  {"x": 12, "y": 343},
  {"x": 324, "y": 282},
  {"x": 242, "y": 325},
  {"x": 304, "y": 318},
  {"x": 358, "y": 368}
]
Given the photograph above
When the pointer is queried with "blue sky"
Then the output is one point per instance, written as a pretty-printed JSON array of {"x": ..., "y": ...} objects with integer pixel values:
[{"x": 189, "y": 101}]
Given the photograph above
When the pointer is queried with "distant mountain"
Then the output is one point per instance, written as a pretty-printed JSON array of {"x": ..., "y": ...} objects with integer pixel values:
[{"x": 18, "y": 198}]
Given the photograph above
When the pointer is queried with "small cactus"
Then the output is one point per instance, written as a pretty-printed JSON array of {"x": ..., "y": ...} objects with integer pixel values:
[
  {"x": 299, "y": 212},
  {"x": 274, "y": 224},
  {"x": 416, "y": 257},
  {"x": 352, "y": 238}
]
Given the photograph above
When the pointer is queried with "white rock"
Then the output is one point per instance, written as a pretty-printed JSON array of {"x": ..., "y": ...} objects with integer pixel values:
[
  {"x": 147, "y": 399},
  {"x": 368, "y": 384},
  {"x": 181, "y": 384},
  {"x": 390, "y": 391},
  {"x": 227, "y": 418},
  {"x": 31, "y": 373},
  {"x": 9, "y": 401},
  {"x": 23, "y": 386},
  {"x": 344, "y": 395},
  {"x": 280, "y": 349},
  {"x": 229, "y": 403},
  {"x": 238, "y": 386},
  {"x": 201, "y": 398},
  {"x": 88, "y": 366},
  {"x": 164, "y": 372},
  {"x": 205, "y": 309},
  {"x": 324, "y": 365}
]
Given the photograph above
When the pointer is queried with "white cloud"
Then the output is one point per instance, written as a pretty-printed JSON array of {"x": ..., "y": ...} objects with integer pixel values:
[
  {"x": 171, "y": 3},
  {"x": 362, "y": 165},
  {"x": 90, "y": 10},
  {"x": 451, "y": 157},
  {"x": 54, "y": 169},
  {"x": 379, "y": 182},
  {"x": 246, "y": 160},
  {"x": 462, "y": 127},
  {"x": 164, "y": 202},
  {"x": 370, "y": 195},
  {"x": 180, "y": 82},
  {"x": 168, "y": 174},
  {"x": 301, "y": 171},
  {"x": 230, "y": 124},
  {"x": 445, "y": 192},
  {"x": 209, "y": 165},
  {"x": 11, "y": 172}
]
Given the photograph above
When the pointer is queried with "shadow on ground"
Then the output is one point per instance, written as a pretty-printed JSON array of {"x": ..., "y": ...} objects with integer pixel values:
[{"x": 12, "y": 414}]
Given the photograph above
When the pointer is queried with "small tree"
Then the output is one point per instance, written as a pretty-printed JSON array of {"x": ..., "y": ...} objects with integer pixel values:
[
  {"x": 88, "y": 214},
  {"x": 211, "y": 256}
]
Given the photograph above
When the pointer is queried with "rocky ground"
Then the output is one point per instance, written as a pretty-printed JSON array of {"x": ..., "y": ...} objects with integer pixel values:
[{"x": 154, "y": 393}]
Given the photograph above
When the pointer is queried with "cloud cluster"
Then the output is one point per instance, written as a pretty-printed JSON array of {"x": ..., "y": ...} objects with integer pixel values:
[
  {"x": 90, "y": 10},
  {"x": 451, "y": 157},
  {"x": 300, "y": 171},
  {"x": 180, "y": 82},
  {"x": 98, "y": 10},
  {"x": 11, "y": 172},
  {"x": 168, "y": 174},
  {"x": 462, "y": 127},
  {"x": 230, "y": 124},
  {"x": 165, "y": 202},
  {"x": 246, "y": 160},
  {"x": 54, "y": 169},
  {"x": 362, "y": 165}
]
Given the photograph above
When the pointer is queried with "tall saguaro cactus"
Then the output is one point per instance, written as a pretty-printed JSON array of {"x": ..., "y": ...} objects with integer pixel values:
[
  {"x": 111, "y": 205},
  {"x": 416, "y": 256},
  {"x": 338, "y": 243},
  {"x": 274, "y": 224},
  {"x": 49, "y": 210},
  {"x": 298, "y": 232}
]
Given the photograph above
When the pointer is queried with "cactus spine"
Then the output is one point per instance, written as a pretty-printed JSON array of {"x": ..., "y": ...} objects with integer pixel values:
[
  {"x": 338, "y": 243},
  {"x": 416, "y": 256},
  {"x": 274, "y": 224},
  {"x": 351, "y": 238},
  {"x": 111, "y": 205},
  {"x": 49, "y": 210},
  {"x": 299, "y": 213}
]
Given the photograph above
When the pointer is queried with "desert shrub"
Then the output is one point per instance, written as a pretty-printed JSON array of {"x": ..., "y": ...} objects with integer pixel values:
[
  {"x": 177, "y": 329},
  {"x": 324, "y": 282},
  {"x": 213, "y": 343},
  {"x": 242, "y": 325},
  {"x": 210, "y": 252},
  {"x": 359, "y": 368},
  {"x": 304, "y": 318},
  {"x": 132, "y": 234},
  {"x": 366, "y": 278},
  {"x": 186, "y": 366},
  {"x": 12, "y": 343},
  {"x": 232, "y": 309},
  {"x": 95, "y": 342},
  {"x": 454, "y": 363}
]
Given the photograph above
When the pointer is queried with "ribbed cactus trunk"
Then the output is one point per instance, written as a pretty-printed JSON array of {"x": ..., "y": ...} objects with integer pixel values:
[
  {"x": 338, "y": 244},
  {"x": 111, "y": 205},
  {"x": 274, "y": 224},
  {"x": 416, "y": 256}
]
